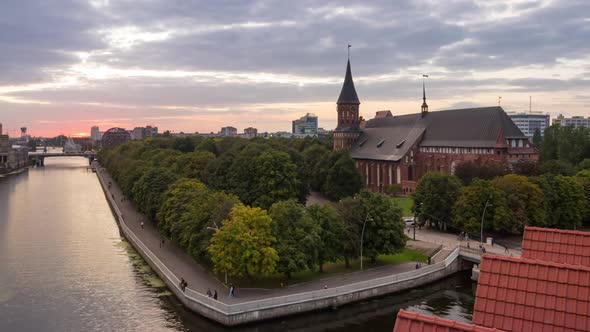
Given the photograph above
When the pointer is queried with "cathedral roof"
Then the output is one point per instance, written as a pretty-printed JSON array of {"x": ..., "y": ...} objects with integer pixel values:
[
  {"x": 348, "y": 92},
  {"x": 390, "y": 138}
]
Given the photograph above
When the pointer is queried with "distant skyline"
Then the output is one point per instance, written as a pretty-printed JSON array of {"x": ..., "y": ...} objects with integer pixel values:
[{"x": 201, "y": 65}]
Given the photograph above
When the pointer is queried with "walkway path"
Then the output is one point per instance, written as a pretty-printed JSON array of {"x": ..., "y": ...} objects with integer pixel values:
[
  {"x": 200, "y": 279},
  {"x": 449, "y": 241}
]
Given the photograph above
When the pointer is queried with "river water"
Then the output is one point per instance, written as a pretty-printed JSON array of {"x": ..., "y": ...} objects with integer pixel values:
[{"x": 65, "y": 267}]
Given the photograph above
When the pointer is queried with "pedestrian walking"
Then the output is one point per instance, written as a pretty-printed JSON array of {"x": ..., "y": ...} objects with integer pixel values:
[
  {"x": 417, "y": 266},
  {"x": 182, "y": 284},
  {"x": 209, "y": 294},
  {"x": 507, "y": 251},
  {"x": 215, "y": 294},
  {"x": 142, "y": 225},
  {"x": 231, "y": 290}
]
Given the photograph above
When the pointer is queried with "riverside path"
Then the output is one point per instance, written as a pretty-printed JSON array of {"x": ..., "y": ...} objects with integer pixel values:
[{"x": 200, "y": 279}]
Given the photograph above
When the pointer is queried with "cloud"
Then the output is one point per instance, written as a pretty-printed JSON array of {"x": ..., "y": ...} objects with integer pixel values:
[{"x": 264, "y": 61}]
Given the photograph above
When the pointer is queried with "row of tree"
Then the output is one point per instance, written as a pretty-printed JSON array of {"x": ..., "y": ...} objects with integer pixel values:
[
  {"x": 215, "y": 227},
  {"x": 512, "y": 201},
  {"x": 237, "y": 204}
]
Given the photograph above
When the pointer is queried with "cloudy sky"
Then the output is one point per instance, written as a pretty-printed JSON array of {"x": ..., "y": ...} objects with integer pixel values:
[{"x": 198, "y": 65}]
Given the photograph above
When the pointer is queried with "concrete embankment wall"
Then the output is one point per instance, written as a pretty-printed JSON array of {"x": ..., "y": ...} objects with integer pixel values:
[{"x": 246, "y": 312}]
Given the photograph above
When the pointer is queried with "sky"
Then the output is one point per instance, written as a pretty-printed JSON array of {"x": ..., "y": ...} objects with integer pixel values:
[{"x": 195, "y": 66}]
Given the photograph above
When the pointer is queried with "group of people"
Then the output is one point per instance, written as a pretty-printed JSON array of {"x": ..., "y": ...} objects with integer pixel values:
[{"x": 213, "y": 295}]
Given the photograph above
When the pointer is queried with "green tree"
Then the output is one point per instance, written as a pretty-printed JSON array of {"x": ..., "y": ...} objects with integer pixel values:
[
  {"x": 468, "y": 171},
  {"x": 148, "y": 190},
  {"x": 312, "y": 157},
  {"x": 176, "y": 202},
  {"x": 556, "y": 167},
  {"x": 184, "y": 144},
  {"x": 342, "y": 178},
  {"x": 208, "y": 144},
  {"x": 384, "y": 229},
  {"x": 583, "y": 178},
  {"x": 192, "y": 165},
  {"x": 297, "y": 237},
  {"x": 331, "y": 233},
  {"x": 276, "y": 178},
  {"x": 525, "y": 201},
  {"x": 583, "y": 165},
  {"x": 243, "y": 246},
  {"x": 564, "y": 196},
  {"x": 470, "y": 205},
  {"x": 435, "y": 197}
]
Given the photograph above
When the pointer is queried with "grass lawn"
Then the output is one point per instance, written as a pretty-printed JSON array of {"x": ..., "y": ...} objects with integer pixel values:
[
  {"x": 405, "y": 203},
  {"x": 330, "y": 269}
]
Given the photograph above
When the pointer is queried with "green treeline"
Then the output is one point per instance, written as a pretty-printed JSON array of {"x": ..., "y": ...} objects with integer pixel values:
[
  {"x": 554, "y": 192},
  {"x": 237, "y": 205}
]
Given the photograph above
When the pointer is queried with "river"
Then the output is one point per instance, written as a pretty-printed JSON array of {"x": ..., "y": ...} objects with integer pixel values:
[{"x": 65, "y": 267}]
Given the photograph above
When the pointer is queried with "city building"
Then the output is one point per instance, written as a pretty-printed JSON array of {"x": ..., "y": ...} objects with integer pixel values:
[
  {"x": 400, "y": 149},
  {"x": 114, "y": 137},
  {"x": 250, "y": 132},
  {"x": 576, "y": 121},
  {"x": 139, "y": 133},
  {"x": 306, "y": 125},
  {"x": 228, "y": 131},
  {"x": 11, "y": 159},
  {"x": 529, "y": 122},
  {"x": 95, "y": 134}
]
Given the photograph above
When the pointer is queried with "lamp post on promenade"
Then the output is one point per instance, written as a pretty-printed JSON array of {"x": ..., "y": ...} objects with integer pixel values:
[
  {"x": 414, "y": 223},
  {"x": 367, "y": 218},
  {"x": 482, "y": 217}
]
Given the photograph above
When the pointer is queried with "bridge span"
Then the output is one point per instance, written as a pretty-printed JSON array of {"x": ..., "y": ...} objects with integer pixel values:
[{"x": 38, "y": 158}]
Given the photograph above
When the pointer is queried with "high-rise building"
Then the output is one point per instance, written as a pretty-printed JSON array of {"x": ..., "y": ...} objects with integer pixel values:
[
  {"x": 95, "y": 134},
  {"x": 228, "y": 131},
  {"x": 306, "y": 125},
  {"x": 576, "y": 121},
  {"x": 529, "y": 122},
  {"x": 250, "y": 132}
]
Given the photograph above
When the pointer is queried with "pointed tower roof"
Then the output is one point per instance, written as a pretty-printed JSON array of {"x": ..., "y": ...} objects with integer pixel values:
[
  {"x": 348, "y": 92},
  {"x": 424, "y": 104}
]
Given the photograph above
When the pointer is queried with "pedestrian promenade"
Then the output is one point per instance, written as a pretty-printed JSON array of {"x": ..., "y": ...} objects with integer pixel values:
[
  {"x": 200, "y": 279},
  {"x": 449, "y": 241}
]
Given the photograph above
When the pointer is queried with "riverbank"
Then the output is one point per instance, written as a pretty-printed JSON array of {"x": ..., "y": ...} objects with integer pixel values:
[
  {"x": 14, "y": 172},
  {"x": 250, "y": 305}
]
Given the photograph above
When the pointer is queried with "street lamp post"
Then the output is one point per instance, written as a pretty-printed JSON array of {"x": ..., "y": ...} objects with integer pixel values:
[
  {"x": 216, "y": 228},
  {"x": 414, "y": 223},
  {"x": 363, "y": 235},
  {"x": 482, "y": 217}
]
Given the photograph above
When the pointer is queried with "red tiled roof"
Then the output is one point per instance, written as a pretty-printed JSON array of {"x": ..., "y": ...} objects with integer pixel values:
[
  {"x": 518, "y": 294},
  {"x": 415, "y": 322},
  {"x": 556, "y": 245}
]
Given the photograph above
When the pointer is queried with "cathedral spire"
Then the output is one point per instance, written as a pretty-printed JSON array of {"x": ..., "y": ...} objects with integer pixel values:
[
  {"x": 424, "y": 104},
  {"x": 348, "y": 93}
]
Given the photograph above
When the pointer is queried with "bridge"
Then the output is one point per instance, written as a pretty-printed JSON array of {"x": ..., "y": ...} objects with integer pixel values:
[{"x": 38, "y": 158}]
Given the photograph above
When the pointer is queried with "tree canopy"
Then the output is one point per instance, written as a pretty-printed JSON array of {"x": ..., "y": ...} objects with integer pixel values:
[
  {"x": 435, "y": 197},
  {"x": 243, "y": 246}
]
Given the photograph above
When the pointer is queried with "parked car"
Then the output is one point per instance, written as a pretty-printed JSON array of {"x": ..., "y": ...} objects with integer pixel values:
[{"x": 409, "y": 221}]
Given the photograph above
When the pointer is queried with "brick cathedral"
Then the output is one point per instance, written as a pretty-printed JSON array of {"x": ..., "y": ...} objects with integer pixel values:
[{"x": 400, "y": 149}]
